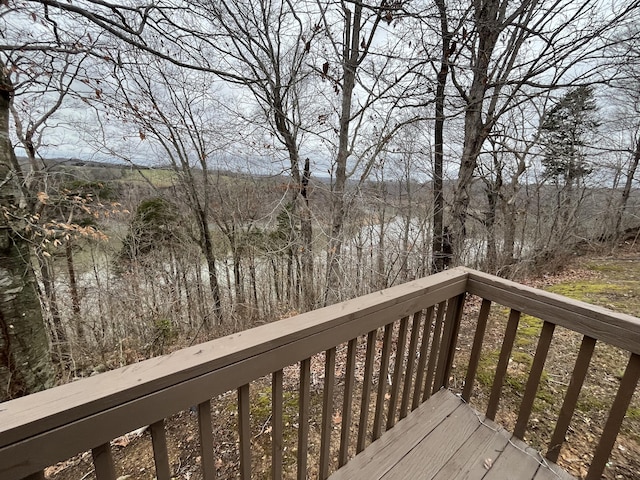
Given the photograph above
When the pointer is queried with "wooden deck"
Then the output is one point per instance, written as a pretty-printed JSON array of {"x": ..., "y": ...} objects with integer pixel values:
[
  {"x": 396, "y": 348},
  {"x": 445, "y": 439}
]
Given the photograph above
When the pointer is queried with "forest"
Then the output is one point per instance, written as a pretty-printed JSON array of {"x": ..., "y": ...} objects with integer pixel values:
[{"x": 174, "y": 171}]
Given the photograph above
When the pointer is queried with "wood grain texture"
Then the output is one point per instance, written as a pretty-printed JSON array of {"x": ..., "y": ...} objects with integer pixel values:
[
  {"x": 422, "y": 362},
  {"x": 345, "y": 428},
  {"x": 533, "y": 381},
  {"x": 398, "y": 369},
  {"x": 277, "y": 424},
  {"x": 429, "y": 388},
  {"x": 61, "y": 422},
  {"x": 47, "y": 410},
  {"x": 103, "y": 462},
  {"x": 327, "y": 412},
  {"x": 244, "y": 431},
  {"x": 571, "y": 397},
  {"x": 160, "y": 453},
  {"x": 303, "y": 417},
  {"x": 617, "y": 329},
  {"x": 551, "y": 471},
  {"x": 503, "y": 363},
  {"x": 517, "y": 461},
  {"x": 468, "y": 463},
  {"x": 366, "y": 391},
  {"x": 382, "y": 455},
  {"x": 476, "y": 349},
  {"x": 449, "y": 341},
  {"x": 445, "y": 439},
  {"x": 382, "y": 381},
  {"x": 253, "y": 354},
  {"x": 439, "y": 447},
  {"x": 411, "y": 363},
  {"x": 616, "y": 415},
  {"x": 205, "y": 432}
]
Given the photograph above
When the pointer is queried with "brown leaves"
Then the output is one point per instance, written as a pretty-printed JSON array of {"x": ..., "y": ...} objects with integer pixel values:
[{"x": 43, "y": 197}]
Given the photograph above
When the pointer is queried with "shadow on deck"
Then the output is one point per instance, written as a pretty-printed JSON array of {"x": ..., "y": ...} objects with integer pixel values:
[{"x": 387, "y": 412}]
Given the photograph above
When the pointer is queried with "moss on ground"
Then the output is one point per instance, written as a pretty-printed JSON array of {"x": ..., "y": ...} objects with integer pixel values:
[{"x": 528, "y": 331}]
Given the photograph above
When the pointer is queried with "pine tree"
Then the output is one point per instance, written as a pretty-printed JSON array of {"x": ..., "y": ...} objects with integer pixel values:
[{"x": 564, "y": 131}]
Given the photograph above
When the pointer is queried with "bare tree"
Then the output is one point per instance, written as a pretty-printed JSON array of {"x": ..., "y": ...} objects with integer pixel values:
[
  {"x": 511, "y": 45},
  {"x": 24, "y": 344},
  {"x": 174, "y": 108},
  {"x": 28, "y": 69},
  {"x": 377, "y": 83},
  {"x": 268, "y": 49}
]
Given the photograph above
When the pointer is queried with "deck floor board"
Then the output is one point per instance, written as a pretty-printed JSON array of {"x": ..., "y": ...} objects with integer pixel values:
[
  {"x": 439, "y": 447},
  {"x": 383, "y": 454},
  {"x": 468, "y": 463},
  {"x": 446, "y": 439}
]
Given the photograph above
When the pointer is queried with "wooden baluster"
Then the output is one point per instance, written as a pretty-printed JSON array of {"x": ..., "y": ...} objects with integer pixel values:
[
  {"x": 476, "y": 350},
  {"x": 366, "y": 390},
  {"x": 411, "y": 361},
  {"x": 571, "y": 398},
  {"x": 244, "y": 429},
  {"x": 503, "y": 363},
  {"x": 303, "y": 417},
  {"x": 206, "y": 441},
  {"x": 616, "y": 415},
  {"x": 347, "y": 400},
  {"x": 433, "y": 352},
  {"x": 276, "y": 424},
  {"x": 160, "y": 454},
  {"x": 546, "y": 335},
  {"x": 422, "y": 362},
  {"x": 382, "y": 380},
  {"x": 327, "y": 412},
  {"x": 449, "y": 341},
  {"x": 397, "y": 372},
  {"x": 103, "y": 462}
]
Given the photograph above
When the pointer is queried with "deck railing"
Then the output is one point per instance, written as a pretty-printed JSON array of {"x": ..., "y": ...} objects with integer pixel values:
[{"x": 396, "y": 346}]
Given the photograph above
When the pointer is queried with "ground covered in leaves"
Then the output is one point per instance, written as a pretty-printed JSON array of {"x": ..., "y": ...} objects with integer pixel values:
[{"x": 612, "y": 281}]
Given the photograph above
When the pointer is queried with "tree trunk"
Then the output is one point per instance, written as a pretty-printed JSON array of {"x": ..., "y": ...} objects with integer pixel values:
[
  {"x": 489, "y": 21},
  {"x": 350, "y": 54},
  {"x": 73, "y": 288},
  {"x": 438, "y": 259},
  {"x": 25, "y": 365},
  {"x": 300, "y": 202},
  {"x": 306, "y": 232},
  {"x": 626, "y": 191},
  {"x": 381, "y": 278},
  {"x": 59, "y": 336},
  {"x": 207, "y": 249},
  {"x": 490, "y": 224}
]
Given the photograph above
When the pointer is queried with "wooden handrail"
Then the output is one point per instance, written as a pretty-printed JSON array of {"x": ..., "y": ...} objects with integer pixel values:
[
  {"x": 617, "y": 329},
  {"x": 415, "y": 355},
  {"x": 66, "y": 420}
]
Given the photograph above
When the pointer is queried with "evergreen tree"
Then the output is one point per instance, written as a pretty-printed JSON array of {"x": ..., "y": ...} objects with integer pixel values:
[
  {"x": 154, "y": 226},
  {"x": 564, "y": 132}
]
